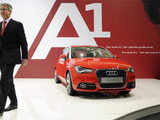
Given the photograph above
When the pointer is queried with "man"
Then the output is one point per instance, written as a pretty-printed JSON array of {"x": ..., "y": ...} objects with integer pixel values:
[{"x": 13, "y": 50}]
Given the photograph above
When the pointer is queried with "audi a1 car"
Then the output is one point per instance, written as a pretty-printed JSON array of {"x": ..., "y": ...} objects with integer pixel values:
[{"x": 93, "y": 69}]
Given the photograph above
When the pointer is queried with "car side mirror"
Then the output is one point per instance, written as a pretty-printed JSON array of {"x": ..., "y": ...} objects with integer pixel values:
[{"x": 64, "y": 57}]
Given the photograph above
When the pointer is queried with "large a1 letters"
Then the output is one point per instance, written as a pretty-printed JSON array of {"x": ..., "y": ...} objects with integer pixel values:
[{"x": 86, "y": 37}]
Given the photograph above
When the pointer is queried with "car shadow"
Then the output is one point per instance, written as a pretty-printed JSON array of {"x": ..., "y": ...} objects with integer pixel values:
[{"x": 102, "y": 96}]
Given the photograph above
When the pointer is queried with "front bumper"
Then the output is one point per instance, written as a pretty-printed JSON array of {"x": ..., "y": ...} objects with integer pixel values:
[{"x": 91, "y": 82}]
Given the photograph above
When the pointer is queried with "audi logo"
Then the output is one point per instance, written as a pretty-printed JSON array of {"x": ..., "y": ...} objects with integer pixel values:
[{"x": 111, "y": 73}]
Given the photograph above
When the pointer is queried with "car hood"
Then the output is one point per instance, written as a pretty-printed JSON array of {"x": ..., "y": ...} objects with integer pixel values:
[{"x": 100, "y": 63}]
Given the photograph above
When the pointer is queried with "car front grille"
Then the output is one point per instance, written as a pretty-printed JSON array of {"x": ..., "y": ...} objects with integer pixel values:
[{"x": 111, "y": 78}]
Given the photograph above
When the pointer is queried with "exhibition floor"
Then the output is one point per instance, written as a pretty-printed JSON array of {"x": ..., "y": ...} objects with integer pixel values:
[{"x": 42, "y": 99}]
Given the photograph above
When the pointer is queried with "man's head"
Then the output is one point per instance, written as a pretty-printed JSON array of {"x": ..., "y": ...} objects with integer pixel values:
[{"x": 5, "y": 10}]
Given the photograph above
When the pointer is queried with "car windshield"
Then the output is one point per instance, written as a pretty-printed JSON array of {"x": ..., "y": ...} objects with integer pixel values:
[{"x": 95, "y": 52}]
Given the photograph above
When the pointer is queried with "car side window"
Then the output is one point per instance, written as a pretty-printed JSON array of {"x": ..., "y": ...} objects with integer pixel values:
[
  {"x": 68, "y": 55},
  {"x": 66, "y": 52}
]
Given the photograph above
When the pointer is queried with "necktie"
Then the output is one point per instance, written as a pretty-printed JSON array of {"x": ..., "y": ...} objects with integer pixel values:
[{"x": 3, "y": 27}]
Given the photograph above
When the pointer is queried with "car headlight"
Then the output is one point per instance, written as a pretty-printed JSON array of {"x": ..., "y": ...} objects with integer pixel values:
[
  {"x": 130, "y": 69},
  {"x": 80, "y": 69}
]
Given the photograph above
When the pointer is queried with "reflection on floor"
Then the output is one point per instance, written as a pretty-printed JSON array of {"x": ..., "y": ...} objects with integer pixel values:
[{"x": 42, "y": 99}]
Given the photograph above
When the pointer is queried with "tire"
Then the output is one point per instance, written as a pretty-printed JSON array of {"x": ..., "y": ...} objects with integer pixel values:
[
  {"x": 70, "y": 89},
  {"x": 55, "y": 77}
]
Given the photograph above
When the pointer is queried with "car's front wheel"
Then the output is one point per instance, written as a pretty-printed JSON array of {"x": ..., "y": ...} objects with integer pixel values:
[
  {"x": 56, "y": 77},
  {"x": 70, "y": 89}
]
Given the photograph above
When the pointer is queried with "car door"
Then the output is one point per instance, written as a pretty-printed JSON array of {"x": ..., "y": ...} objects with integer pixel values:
[{"x": 62, "y": 62}]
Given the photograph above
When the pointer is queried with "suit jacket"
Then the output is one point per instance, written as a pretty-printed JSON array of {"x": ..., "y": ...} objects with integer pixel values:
[{"x": 13, "y": 44}]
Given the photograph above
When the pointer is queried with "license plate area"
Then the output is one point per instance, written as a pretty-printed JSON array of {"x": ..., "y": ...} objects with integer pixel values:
[{"x": 108, "y": 80}]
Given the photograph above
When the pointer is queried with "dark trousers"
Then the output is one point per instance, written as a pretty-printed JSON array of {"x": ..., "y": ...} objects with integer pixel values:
[{"x": 7, "y": 88}]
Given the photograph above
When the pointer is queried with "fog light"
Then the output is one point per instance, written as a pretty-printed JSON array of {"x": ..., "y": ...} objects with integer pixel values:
[
  {"x": 131, "y": 84},
  {"x": 90, "y": 86}
]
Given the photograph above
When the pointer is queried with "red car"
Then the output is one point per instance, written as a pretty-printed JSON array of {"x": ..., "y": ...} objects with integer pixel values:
[{"x": 93, "y": 69}]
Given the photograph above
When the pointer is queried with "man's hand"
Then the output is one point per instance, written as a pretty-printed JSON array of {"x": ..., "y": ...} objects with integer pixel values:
[{"x": 24, "y": 62}]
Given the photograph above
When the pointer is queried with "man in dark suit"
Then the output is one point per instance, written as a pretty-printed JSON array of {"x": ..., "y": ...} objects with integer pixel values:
[{"x": 13, "y": 50}]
